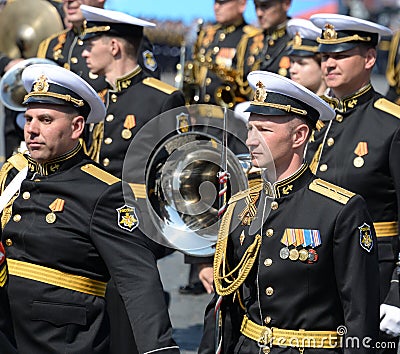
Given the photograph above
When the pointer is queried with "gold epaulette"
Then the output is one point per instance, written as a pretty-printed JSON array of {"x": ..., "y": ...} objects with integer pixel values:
[
  {"x": 42, "y": 49},
  {"x": 100, "y": 174},
  {"x": 387, "y": 106},
  {"x": 18, "y": 161},
  {"x": 251, "y": 31},
  {"x": 331, "y": 190},
  {"x": 243, "y": 194},
  {"x": 139, "y": 190},
  {"x": 159, "y": 85}
]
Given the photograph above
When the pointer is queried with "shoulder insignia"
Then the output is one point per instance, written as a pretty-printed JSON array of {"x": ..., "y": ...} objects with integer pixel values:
[
  {"x": 387, "y": 106},
  {"x": 43, "y": 46},
  {"x": 139, "y": 190},
  {"x": 251, "y": 31},
  {"x": 159, "y": 85},
  {"x": 18, "y": 161},
  {"x": 100, "y": 174},
  {"x": 331, "y": 190},
  {"x": 243, "y": 194}
]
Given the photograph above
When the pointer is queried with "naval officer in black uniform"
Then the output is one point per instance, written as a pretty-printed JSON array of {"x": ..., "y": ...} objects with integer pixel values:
[
  {"x": 66, "y": 47},
  {"x": 360, "y": 149},
  {"x": 70, "y": 227},
  {"x": 133, "y": 97},
  {"x": 267, "y": 49},
  {"x": 213, "y": 67},
  {"x": 296, "y": 258}
]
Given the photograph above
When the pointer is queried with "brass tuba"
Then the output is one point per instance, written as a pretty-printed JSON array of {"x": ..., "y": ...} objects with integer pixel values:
[
  {"x": 180, "y": 179},
  {"x": 12, "y": 91}
]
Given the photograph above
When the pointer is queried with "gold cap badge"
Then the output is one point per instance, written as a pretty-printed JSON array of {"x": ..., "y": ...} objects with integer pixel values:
[
  {"x": 330, "y": 32},
  {"x": 41, "y": 85},
  {"x": 261, "y": 94}
]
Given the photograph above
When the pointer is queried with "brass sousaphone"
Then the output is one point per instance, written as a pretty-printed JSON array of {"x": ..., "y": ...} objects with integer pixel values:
[
  {"x": 12, "y": 91},
  {"x": 24, "y": 24}
]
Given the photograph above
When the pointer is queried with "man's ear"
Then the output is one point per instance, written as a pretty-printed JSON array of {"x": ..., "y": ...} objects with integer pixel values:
[
  {"x": 300, "y": 135},
  {"x": 116, "y": 46},
  {"x": 78, "y": 124},
  {"x": 370, "y": 58}
]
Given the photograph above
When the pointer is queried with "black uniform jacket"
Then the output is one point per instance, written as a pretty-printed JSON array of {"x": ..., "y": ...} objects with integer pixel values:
[
  {"x": 334, "y": 286},
  {"x": 66, "y": 47},
  {"x": 136, "y": 100},
  {"x": 71, "y": 216},
  {"x": 266, "y": 50},
  {"x": 215, "y": 59},
  {"x": 360, "y": 151}
]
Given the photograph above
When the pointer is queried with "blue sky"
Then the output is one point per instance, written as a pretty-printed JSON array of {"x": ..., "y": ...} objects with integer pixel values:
[{"x": 191, "y": 10}]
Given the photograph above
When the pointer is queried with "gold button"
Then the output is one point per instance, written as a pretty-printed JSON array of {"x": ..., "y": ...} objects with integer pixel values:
[
  {"x": 268, "y": 57},
  {"x": 222, "y": 36},
  {"x": 106, "y": 162},
  {"x": 26, "y": 195},
  {"x": 330, "y": 141},
  {"x": 208, "y": 81},
  {"x": 74, "y": 60},
  {"x": 269, "y": 232},
  {"x": 110, "y": 118},
  {"x": 114, "y": 97},
  {"x": 323, "y": 167},
  {"x": 207, "y": 98},
  {"x": 274, "y": 205},
  {"x": 268, "y": 262},
  {"x": 80, "y": 42},
  {"x": 339, "y": 118},
  {"x": 267, "y": 320},
  {"x": 266, "y": 350},
  {"x": 108, "y": 141},
  {"x": 17, "y": 218},
  {"x": 269, "y": 291},
  {"x": 9, "y": 242}
]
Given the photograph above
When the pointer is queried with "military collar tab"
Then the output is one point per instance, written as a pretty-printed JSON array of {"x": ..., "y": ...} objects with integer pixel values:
[
  {"x": 351, "y": 102},
  {"x": 278, "y": 31},
  {"x": 125, "y": 81},
  {"x": 292, "y": 183},
  {"x": 54, "y": 165}
]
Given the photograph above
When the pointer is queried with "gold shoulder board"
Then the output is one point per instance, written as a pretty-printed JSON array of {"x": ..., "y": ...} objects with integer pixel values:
[
  {"x": 159, "y": 85},
  {"x": 331, "y": 190},
  {"x": 251, "y": 31},
  {"x": 42, "y": 49},
  {"x": 243, "y": 194},
  {"x": 100, "y": 174},
  {"x": 387, "y": 106},
  {"x": 139, "y": 190},
  {"x": 18, "y": 161}
]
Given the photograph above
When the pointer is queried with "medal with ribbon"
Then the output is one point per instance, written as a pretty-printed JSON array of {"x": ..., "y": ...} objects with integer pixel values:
[
  {"x": 300, "y": 237},
  {"x": 56, "y": 206},
  {"x": 129, "y": 123},
  {"x": 361, "y": 150}
]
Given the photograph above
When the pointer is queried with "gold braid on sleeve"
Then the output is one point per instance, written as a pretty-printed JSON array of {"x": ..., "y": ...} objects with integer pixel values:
[
  {"x": 222, "y": 274},
  {"x": 97, "y": 137},
  {"x": 7, "y": 211}
]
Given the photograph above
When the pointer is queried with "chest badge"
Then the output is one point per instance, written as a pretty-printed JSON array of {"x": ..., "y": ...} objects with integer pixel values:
[{"x": 127, "y": 218}]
